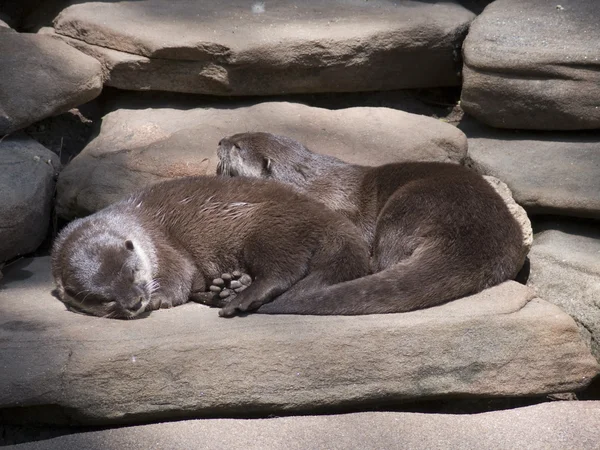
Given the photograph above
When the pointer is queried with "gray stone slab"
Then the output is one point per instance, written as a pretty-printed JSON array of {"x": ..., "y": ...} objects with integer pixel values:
[
  {"x": 548, "y": 173},
  {"x": 257, "y": 48},
  {"x": 534, "y": 64},
  {"x": 565, "y": 270},
  {"x": 549, "y": 426},
  {"x": 41, "y": 76},
  {"x": 187, "y": 362}
]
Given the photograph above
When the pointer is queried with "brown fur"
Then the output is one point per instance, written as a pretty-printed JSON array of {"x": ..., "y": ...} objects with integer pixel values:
[
  {"x": 161, "y": 246},
  {"x": 436, "y": 231}
]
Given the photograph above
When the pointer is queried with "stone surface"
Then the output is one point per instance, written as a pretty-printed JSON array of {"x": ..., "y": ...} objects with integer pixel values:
[
  {"x": 139, "y": 147},
  {"x": 256, "y": 48},
  {"x": 187, "y": 362},
  {"x": 565, "y": 270},
  {"x": 516, "y": 210},
  {"x": 549, "y": 426},
  {"x": 41, "y": 76},
  {"x": 27, "y": 177},
  {"x": 4, "y": 26},
  {"x": 548, "y": 173},
  {"x": 534, "y": 64}
]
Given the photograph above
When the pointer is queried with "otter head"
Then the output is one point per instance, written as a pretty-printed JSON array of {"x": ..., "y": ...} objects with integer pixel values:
[
  {"x": 265, "y": 155},
  {"x": 102, "y": 275}
]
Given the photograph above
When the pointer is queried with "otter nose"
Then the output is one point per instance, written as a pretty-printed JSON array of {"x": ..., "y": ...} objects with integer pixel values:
[{"x": 135, "y": 307}]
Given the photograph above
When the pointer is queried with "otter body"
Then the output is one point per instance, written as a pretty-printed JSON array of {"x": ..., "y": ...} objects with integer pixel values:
[
  {"x": 436, "y": 231},
  {"x": 162, "y": 246}
]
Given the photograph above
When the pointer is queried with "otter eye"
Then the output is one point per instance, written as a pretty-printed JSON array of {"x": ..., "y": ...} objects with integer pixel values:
[
  {"x": 129, "y": 245},
  {"x": 220, "y": 142},
  {"x": 236, "y": 146}
]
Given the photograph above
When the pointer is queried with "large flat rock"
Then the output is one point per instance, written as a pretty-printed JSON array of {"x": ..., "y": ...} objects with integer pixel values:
[
  {"x": 28, "y": 174},
  {"x": 40, "y": 77},
  {"x": 187, "y": 362},
  {"x": 534, "y": 64},
  {"x": 138, "y": 147},
  {"x": 548, "y": 173},
  {"x": 565, "y": 270},
  {"x": 256, "y": 48},
  {"x": 549, "y": 426}
]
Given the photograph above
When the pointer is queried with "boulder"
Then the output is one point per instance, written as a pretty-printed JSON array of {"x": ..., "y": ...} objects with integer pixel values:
[
  {"x": 565, "y": 270},
  {"x": 187, "y": 362},
  {"x": 263, "y": 48},
  {"x": 548, "y": 173},
  {"x": 40, "y": 77},
  {"x": 138, "y": 147},
  {"x": 27, "y": 177},
  {"x": 548, "y": 426},
  {"x": 534, "y": 64}
]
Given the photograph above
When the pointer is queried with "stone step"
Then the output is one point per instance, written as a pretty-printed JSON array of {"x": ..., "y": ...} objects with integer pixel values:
[
  {"x": 548, "y": 173},
  {"x": 41, "y": 77},
  {"x": 548, "y": 426},
  {"x": 138, "y": 147},
  {"x": 534, "y": 64},
  {"x": 61, "y": 367},
  {"x": 257, "y": 48}
]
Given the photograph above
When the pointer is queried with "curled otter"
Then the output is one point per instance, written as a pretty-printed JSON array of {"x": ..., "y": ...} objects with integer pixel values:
[
  {"x": 164, "y": 245},
  {"x": 436, "y": 231}
]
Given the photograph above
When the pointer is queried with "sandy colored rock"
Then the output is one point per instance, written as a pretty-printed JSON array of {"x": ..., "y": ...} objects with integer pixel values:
[
  {"x": 565, "y": 270},
  {"x": 187, "y": 362},
  {"x": 534, "y": 64},
  {"x": 40, "y": 77},
  {"x": 246, "y": 48},
  {"x": 27, "y": 177},
  {"x": 138, "y": 147},
  {"x": 548, "y": 426},
  {"x": 548, "y": 173},
  {"x": 516, "y": 210}
]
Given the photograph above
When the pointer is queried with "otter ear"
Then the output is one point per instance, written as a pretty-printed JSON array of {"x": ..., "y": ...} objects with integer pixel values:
[
  {"x": 267, "y": 164},
  {"x": 129, "y": 245}
]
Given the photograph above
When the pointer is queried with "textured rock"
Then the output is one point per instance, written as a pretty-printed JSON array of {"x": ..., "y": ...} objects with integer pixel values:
[
  {"x": 41, "y": 76},
  {"x": 137, "y": 148},
  {"x": 27, "y": 175},
  {"x": 246, "y": 48},
  {"x": 516, "y": 210},
  {"x": 548, "y": 173},
  {"x": 534, "y": 64},
  {"x": 188, "y": 362},
  {"x": 565, "y": 270},
  {"x": 549, "y": 426},
  {"x": 4, "y": 26}
]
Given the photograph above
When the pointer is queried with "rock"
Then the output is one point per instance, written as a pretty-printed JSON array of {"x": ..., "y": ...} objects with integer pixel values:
[
  {"x": 548, "y": 173},
  {"x": 41, "y": 76},
  {"x": 565, "y": 270},
  {"x": 27, "y": 175},
  {"x": 548, "y": 426},
  {"x": 245, "y": 48},
  {"x": 4, "y": 27},
  {"x": 186, "y": 362},
  {"x": 517, "y": 211},
  {"x": 534, "y": 64},
  {"x": 138, "y": 147}
]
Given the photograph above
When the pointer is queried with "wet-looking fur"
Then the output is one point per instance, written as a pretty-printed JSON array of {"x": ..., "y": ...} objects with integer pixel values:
[
  {"x": 163, "y": 245},
  {"x": 436, "y": 231}
]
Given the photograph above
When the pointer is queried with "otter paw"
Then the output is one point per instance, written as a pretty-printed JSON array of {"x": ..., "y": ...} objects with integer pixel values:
[
  {"x": 159, "y": 302},
  {"x": 230, "y": 284}
]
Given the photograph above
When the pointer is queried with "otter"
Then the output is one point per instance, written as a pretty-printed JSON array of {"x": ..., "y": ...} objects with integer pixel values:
[
  {"x": 435, "y": 231},
  {"x": 160, "y": 247}
]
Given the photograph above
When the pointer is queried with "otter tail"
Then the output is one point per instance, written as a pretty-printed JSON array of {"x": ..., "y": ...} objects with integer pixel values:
[{"x": 405, "y": 286}]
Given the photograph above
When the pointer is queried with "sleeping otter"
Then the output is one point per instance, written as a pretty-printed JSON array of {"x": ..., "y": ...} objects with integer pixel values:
[
  {"x": 162, "y": 246},
  {"x": 436, "y": 231}
]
